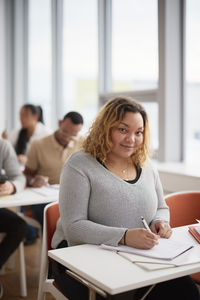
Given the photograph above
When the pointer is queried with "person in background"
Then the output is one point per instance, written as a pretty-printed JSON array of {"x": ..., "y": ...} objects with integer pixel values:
[
  {"x": 11, "y": 224},
  {"x": 106, "y": 188},
  {"x": 33, "y": 128},
  {"x": 47, "y": 156}
]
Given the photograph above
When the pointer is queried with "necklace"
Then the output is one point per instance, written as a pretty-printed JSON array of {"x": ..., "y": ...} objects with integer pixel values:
[{"x": 123, "y": 173}]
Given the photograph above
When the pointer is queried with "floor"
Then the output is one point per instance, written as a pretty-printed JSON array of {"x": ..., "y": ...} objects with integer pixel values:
[{"x": 10, "y": 279}]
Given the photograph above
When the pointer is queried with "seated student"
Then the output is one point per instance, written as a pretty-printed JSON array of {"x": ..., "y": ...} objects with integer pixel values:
[
  {"x": 32, "y": 128},
  {"x": 31, "y": 118},
  {"x": 47, "y": 156},
  {"x": 104, "y": 191},
  {"x": 10, "y": 223}
]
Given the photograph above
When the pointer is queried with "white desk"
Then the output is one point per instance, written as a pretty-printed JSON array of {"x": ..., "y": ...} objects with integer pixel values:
[
  {"x": 27, "y": 197},
  {"x": 114, "y": 274}
]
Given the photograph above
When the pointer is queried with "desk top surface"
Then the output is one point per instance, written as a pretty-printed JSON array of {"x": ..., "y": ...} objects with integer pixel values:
[
  {"x": 113, "y": 273},
  {"x": 26, "y": 197}
]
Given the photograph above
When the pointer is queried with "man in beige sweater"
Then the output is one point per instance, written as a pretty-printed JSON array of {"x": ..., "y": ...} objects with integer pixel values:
[{"x": 47, "y": 156}]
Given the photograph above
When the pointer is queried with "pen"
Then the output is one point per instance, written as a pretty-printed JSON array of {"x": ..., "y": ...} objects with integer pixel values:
[
  {"x": 198, "y": 220},
  {"x": 145, "y": 224}
]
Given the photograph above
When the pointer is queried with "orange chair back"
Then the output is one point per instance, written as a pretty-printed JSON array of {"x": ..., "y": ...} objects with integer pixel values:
[
  {"x": 52, "y": 215},
  {"x": 184, "y": 208}
]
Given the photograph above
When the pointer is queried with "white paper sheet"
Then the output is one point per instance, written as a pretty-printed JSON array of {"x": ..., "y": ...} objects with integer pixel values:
[
  {"x": 166, "y": 249},
  {"x": 47, "y": 190}
]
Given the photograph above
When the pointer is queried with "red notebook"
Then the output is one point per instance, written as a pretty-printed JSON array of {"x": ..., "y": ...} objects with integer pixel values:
[{"x": 195, "y": 231}]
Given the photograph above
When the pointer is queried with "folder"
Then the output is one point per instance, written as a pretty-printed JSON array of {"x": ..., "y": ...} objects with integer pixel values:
[{"x": 194, "y": 230}]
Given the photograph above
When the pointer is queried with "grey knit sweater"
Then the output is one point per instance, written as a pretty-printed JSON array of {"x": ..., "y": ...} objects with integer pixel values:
[
  {"x": 8, "y": 162},
  {"x": 97, "y": 207}
]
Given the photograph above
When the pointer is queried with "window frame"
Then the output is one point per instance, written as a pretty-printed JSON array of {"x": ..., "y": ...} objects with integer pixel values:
[{"x": 170, "y": 92}]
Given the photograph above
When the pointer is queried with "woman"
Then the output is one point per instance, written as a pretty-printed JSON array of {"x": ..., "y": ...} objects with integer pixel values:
[
  {"x": 11, "y": 224},
  {"x": 107, "y": 187},
  {"x": 31, "y": 118}
]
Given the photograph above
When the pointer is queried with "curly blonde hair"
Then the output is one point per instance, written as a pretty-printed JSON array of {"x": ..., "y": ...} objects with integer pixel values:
[{"x": 98, "y": 142}]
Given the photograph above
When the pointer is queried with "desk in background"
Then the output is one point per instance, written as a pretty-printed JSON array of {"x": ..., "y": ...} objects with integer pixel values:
[{"x": 27, "y": 197}]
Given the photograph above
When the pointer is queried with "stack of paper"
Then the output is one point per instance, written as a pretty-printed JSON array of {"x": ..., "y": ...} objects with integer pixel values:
[{"x": 167, "y": 254}]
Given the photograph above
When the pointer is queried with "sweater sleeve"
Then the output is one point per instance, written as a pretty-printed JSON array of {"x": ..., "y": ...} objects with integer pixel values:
[
  {"x": 162, "y": 210},
  {"x": 74, "y": 198},
  {"x": 11, "y": 167}
]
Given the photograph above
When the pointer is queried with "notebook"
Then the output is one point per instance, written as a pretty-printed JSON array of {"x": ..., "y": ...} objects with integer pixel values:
[{"x": 166, "y": 249}]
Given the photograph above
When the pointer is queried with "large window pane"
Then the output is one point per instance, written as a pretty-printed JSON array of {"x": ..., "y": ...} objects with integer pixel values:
[
  {"x": 192, "y": 103},
  {"x": 80, "y": 57},
  {"x": 39, "y": 56},
  {"x": 134, "y": 45}
]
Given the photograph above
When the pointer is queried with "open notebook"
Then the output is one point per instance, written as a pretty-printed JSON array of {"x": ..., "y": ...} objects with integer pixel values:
[{"x": 166, "y": 249}]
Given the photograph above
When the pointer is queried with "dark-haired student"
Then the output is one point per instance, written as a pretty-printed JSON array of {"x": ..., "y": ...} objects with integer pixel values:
[
  {"x": 32, "y": 128},
  {"x": 47, "y": 156}
]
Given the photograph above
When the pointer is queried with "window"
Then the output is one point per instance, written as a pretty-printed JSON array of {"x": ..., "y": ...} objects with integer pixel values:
[
  {"x": 135, "y": 53},
  {"x": 39, "y": 56},
  {"x": 192, "y": 87},
  {"x": 80, "y": 58},
  {"x": 134, "y": 45}
]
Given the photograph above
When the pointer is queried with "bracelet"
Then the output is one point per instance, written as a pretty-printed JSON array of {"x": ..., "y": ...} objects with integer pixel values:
[{"x": 125, "y": 237}]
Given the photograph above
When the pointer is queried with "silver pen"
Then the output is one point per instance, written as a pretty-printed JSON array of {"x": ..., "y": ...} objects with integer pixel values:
[
  {"x": 145, "y": 224},
  {"x": 198, "y": 220}
]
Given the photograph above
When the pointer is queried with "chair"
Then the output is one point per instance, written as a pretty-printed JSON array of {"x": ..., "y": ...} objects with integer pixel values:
[
  {"x": 51, "y": 215},
  {"x": 184, "y": 209},
  {"x": 10, "y": 265}
]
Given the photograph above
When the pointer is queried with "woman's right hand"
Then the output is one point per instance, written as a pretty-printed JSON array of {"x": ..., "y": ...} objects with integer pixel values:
[{"x": 141, "y": 238}]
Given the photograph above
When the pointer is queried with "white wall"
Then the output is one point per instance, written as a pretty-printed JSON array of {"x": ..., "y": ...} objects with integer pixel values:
[{"x": 2, "y": 67}]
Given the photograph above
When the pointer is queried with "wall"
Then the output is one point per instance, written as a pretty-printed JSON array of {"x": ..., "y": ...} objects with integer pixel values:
[{"x": 2, "y": 67}]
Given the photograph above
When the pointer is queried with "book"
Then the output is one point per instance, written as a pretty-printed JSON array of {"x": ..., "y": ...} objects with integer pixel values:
[
  {"x": 194, "y": 230},
  {"x": 166, "y": 249}
]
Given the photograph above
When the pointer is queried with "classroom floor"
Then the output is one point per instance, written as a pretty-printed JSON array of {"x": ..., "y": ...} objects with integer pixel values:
[{"x": 10, "y": 279}]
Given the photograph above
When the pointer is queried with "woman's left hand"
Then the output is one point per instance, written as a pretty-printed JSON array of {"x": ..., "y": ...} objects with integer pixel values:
[{"x": 162, "y": 229}]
